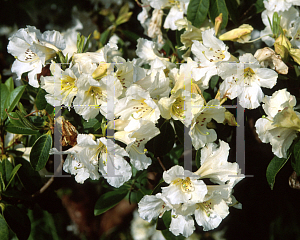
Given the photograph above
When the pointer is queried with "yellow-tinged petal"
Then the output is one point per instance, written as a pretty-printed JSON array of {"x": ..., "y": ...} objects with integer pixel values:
[
  {"x": 295, "y": 54},
  {"x": 240, "y": 34}
]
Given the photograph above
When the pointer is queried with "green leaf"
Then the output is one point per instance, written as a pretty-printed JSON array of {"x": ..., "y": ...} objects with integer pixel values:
[
  {"x": 232, "y": 7},
  {"x": 213, "y": 81},
  {"x": 164, "y": 142},
  {"x": 259, "y": 6},
  {"x": 10, "y": 84},
  {"x": 12, "y": 175},
  {"x": 18, "y": 221},
  {"x": 216, "y": 7},
  {"x": 30, "y": 179},
  {"x": 131, "y": 35},
  {"x": 207, "y": 96},
  {"x": 109, "y": 200},
  {"x": 14, "y": 119},
  {"x": 92, "y": 125},
  {"x": 20, "y": 130},
  {"x": 13, "y": 98},
  {"x": 25, "y": 121},
  {"x": 274, "y": 167},
  {"x": 7, "y": 169},
  {"x": 40, "y": 152},
  {"x": 3, "y": 96},
  {"x": 87, "y": 44},
  {"x": 179, "y": 129},
  {"x": 296, "y": 158},
  {"x": 197, "y": 12},
  {"x": 104, "y": 37},
  {"x": 198, "y": 158},
  {"x": 4, "y": 232},
  {"x": 40, "y": 100}
]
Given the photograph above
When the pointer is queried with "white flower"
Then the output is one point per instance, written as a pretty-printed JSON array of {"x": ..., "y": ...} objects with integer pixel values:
[
  {"x": 137, "y": 105},
  {"x": 245, "y": 79},
  {"x": 294, "y": 32},
  {"x": 199, "y": 133},
  {"x": 280, "y": 5},
  {"x": 214, "y": 164},
  {"x": 92, "y": 95},
  {"x": 136, "y": 134},
  {"x": 184, "y": 186},
  {"x": 281, "y": 125},
  {"x": 210, "y": 55},
  {"x": 32, "y": 49},
  {"x": 153, "y": 206},
  {"x": 62, "y": 86},
  {"x": 88, "y": 157}
]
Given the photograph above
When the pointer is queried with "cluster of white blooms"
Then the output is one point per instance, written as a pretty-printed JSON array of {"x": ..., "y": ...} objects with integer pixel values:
[
  {"x": 188, "y": 195},
  {"x": 133, "y": 97}
]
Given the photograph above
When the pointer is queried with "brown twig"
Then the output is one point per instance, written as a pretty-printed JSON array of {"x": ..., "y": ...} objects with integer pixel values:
[
  {"x": 48, "y": 183},
  {"x": 161, "y": 164}
]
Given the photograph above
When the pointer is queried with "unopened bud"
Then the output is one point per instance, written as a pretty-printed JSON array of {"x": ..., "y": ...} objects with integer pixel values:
[
  {"x": 241, "y": 34},
  {"x": 230, "y": 119},
  {"x": 218, "y": 22}
]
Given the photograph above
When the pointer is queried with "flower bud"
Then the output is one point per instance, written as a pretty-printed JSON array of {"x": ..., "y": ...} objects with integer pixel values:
[
  {"x": 218, "y": 22},
  {"x": 241, "y": 34}
]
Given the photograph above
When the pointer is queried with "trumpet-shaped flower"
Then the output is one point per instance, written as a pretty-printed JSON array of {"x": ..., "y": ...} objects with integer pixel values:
[
  {"x": 282, "y": 123},
  {"x": 136, "y": 134},
  {"x": 210, "y": 54},
  {"x": 32, "y": 49},
  {"x": 245, "y": 79}
]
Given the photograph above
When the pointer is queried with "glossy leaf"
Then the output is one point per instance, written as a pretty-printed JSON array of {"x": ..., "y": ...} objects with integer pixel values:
[
  {"x": 13, "y": 98},
  {"x": 259, "y": 6},
  {"x": 296, "y": 158},
  {"x": 18, "y": 221},
  {"x": 12, "y": 174},
  {"x": 232, "y": 7},
  {"x": 4, "y": 232},
  {"x": 274, "y": 167},
  {"x": 198, "y": 158},
  {"x": 10, "y": 84},
  {"x": 164, "y": 142},
  {"x": 109, "y": 200},
  {"x": 20, "y": 130},
  {"x": 197, "y": 12},
  {"x": 216, "y": 7},
  {"x": 40, "y": 100},
  {"x": 40, "y": 152},
  {"x": 3, "y": 94}
]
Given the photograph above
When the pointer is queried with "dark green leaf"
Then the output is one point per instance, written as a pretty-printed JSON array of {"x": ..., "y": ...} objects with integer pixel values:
[
  {"x": 14, "y": 119},
  {"x": 164, "y": 142},
  {"x": 104, "y": 36},
  {"x": 13, "y": 98},
  {"x": 109, "y": 200},
  {"x": 40, "y": 100},
  {"x": 158, "y": 187},
  {"x": 20, "y": 130},
  {"x": 25, "y": 121},
  {"x": 30, "y": 179},
  {"x": 207, "y": 96},
  {"x": 179, "y": 129},
  {"x": 21, "y": 108},
  {"x": 274, "y": 167},
  {"x": 198, "y": 158},
  {"x": 216, "y": 7},
  {"x": 296, "y": 158},
  {"x": 13, "y": 173},
  {"x": 10, "y": 84},
  {"x": 3, "y": 96},
  {"x": 197, "y": 12},
  {"x": 259, "y": 6},
  {"x": 232, "y": 7},
  {"x": 213, "y": 81},
  {"x": 4, "y": 232},
  {"x": 18, "y": 221},
  {"x": 131, "y": 35},
  {"x": 92, "y": 125},
  {"x": 7, "y": 168},
  {"x": 40, "y": 152},
  {"x": 87, "y": 44}
]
